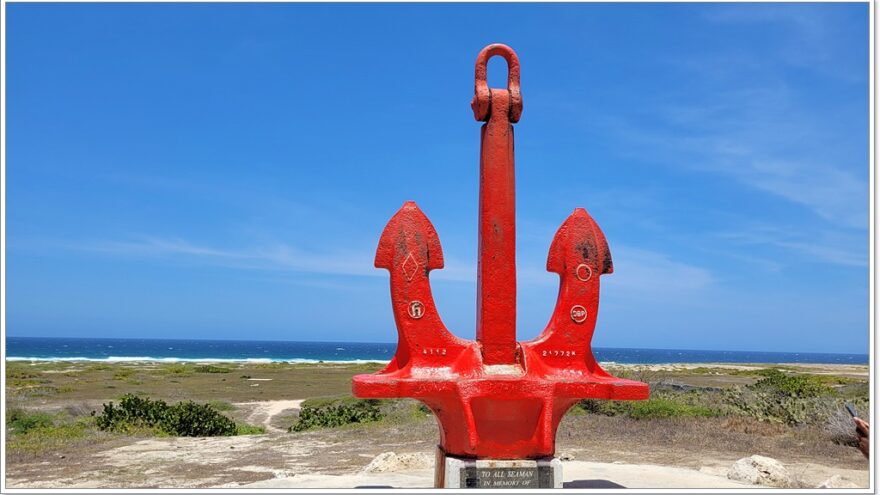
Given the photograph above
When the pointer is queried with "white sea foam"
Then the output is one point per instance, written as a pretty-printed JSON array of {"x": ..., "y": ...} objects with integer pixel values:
[{"x": 18, "y": 358}]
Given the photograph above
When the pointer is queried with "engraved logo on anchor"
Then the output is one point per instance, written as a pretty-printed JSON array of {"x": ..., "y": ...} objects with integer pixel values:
[
  {"x": 578, "y": 313},
  {"x": 416, "y": 309}
]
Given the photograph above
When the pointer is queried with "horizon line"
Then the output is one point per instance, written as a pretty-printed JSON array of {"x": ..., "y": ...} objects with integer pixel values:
[{"x": 395, "y": 343}]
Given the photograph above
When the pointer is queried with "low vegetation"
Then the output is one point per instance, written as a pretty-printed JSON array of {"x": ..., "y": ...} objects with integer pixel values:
[
  {"x": 184, "y": 419},
  {"x": 330, "y": 413},
  {"x": 777, "y": 396},
  {"x": 659, "y": 406},
  {"x": 19, "y": 421},
  {"x": 750, "y": 409},
  {"x": 31, "y": 432}
]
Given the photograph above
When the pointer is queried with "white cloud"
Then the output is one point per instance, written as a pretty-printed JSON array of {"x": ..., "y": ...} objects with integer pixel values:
[
  {"x": 831, "y": 192},
  {"x": 276, "y": 256},
  {"x": 635, "y": 269},
  {"x": 829, "y": 247},
  {"x": 761, "y": 139},
  {"x": 811, "y": 37},
  {"x": 639, "y": 270}
]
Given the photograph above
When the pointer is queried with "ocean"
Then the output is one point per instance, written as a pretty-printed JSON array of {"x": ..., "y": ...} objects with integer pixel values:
[{"x": 79, "y": 349}]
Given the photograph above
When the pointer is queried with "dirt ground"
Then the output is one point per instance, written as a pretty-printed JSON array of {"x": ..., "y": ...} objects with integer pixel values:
[{"x": 703, "y": 447}]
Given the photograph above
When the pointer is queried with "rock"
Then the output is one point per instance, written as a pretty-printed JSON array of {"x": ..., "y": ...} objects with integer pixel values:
[
  {"x": 760, "y": 470},
  {"x": 837, "y": 481},
  {"x": 389, "y": 461},
  {"x": 565, "y": 456}
]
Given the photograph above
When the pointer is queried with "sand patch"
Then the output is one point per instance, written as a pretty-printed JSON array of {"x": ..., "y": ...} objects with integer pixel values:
[
  {"x": 261, "y": 413},
  {"x": 391, "y": 462}
]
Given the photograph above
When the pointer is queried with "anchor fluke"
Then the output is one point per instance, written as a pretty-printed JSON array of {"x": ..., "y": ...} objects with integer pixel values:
[
  {"x": 579, "y": 253},
  {"x": 409, "y": 249},
  {"x": 409, "y": 232},
  {"x": 578, "y": 241}
]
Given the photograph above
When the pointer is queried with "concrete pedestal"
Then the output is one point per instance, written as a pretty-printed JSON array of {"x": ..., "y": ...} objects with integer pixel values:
[{"x": 455, "y": 472}]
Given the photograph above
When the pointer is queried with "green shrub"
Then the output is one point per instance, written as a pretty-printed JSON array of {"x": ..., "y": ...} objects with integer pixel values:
[
  {"x": 244, "y": 429},
  {"x": 330, "y": 415},
  {"x": 188, "y": 419},
  {"x": 665, "y": 406},
  {"x": 132, "y": 411},
  {"x": 799, "y": 386},
  {"x": 780, "y": 397},
  {"x": 774, "y": 406},
  {"x": 182, "y": 419},
  {"x": 21, "y": 421}
]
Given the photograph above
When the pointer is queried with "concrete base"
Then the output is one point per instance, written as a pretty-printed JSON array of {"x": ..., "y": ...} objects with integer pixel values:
[{"x": 455, "y": 472}]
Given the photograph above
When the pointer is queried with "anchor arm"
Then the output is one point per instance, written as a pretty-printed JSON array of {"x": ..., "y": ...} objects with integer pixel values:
[
  {"x": 409, "y": 249},
  {"x": 579, "y": 253}
]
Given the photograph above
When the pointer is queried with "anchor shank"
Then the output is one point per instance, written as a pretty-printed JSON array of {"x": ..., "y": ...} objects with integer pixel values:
[{"x": 496, "y": 271}]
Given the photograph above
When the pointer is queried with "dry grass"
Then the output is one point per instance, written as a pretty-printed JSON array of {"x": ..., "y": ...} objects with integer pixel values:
[
  {"x": 751, "y": 426},
  {"x": 57, "y": 384},
  {"x": 689, "y": 441},
  {"x": 840, "y": 429},
  {"x": 79, "y": 388}
]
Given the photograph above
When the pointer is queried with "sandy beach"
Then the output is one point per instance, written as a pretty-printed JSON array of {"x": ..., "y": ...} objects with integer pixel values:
[{"x": 598, "y": 451}]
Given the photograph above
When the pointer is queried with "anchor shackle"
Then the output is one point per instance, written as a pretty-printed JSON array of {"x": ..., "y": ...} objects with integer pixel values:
[{"x": 482, "y": 102}]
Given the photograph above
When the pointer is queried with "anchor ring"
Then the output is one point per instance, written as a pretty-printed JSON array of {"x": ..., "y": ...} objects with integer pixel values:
[{"x": 482, "y": 95}]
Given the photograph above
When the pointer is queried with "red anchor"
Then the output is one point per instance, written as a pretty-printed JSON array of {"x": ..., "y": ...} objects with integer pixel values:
[{"x": 495, "y": 398}]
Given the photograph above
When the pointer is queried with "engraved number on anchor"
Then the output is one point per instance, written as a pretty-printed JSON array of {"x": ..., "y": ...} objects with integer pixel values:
[
  {"x": 558, "y": 353},
  {"x": 578, "y": 313},
  {"x": 416, "y": 309}
]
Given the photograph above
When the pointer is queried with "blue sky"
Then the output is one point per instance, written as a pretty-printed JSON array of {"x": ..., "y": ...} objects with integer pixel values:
[{"x": 224, "y": 171}]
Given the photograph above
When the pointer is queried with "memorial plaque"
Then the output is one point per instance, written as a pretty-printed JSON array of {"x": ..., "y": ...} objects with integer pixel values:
[{"x": 507, "y": 477}]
